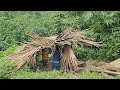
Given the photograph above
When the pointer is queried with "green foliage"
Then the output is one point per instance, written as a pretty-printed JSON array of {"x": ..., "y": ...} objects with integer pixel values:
[
  {"x": 6, "y": 68},
  {"x": 8, "y": 51},
  {"x": 86, "y": 53},
  {"x": 102, "y": 26},
  {"x": 118, "y": 76},
  {"x": 91, "y": 75},
  {"x": 105, "y": 28}
]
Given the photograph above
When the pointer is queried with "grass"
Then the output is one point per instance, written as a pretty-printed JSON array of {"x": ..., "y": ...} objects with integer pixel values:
[
  {"x": 8, "y": 51},
  {"x": 90, "y": 75},
  {"x": 118, "y": 77},
  {"x": 55, "y": 75},
  {"x": 42, "y": 75}
]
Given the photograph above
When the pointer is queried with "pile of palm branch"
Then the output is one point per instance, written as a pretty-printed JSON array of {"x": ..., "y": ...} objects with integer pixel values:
[
  {"x": 71, "y": 36},
  {"x": 68, "y": 59},
  {"x": 108, "y": 70},
  {"x": 42, "y": 41},
  {"x": 69, "y": 62},
  {"x": 116, "y": 63},
  {"x": 26, "y": 55}
]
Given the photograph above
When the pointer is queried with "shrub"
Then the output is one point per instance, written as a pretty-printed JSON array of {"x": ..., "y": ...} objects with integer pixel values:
[{"x": 6, "y": 68}]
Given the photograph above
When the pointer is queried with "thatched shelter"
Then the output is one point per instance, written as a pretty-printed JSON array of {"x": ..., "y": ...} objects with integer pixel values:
[
  {"x": 26, "y": 55},
  {"x": 70, "y": 36}
]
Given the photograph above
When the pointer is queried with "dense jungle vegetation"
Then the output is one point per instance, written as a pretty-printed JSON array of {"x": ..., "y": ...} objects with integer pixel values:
[{"x": 102, "y": 26}]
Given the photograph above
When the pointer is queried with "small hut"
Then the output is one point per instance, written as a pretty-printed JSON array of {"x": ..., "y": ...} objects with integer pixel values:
[{"x": 26, "y": 55}]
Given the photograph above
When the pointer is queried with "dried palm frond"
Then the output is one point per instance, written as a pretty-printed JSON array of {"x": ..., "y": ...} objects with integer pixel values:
[
  {"x": 26, "y": 55},
  {"x": 72, "y": 36},
  {"x": 69, "y": 61},
  {"x": 42, "y": 41},
  {"x": 116, "y": 63}
]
